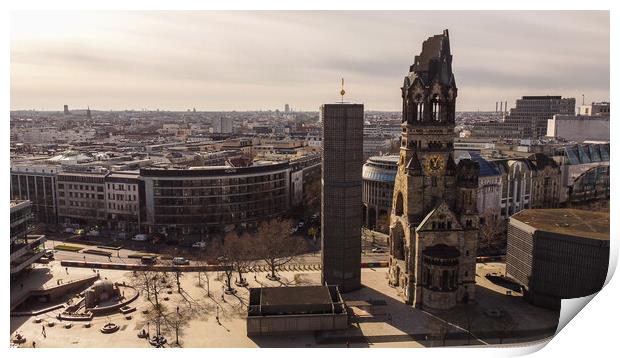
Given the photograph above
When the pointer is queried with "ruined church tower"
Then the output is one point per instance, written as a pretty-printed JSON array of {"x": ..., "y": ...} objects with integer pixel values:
[{"x": 433, "y": 228}]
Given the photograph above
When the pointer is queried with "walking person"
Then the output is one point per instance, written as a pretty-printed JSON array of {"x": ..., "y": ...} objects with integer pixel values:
[{"x": 43, "y": 331}]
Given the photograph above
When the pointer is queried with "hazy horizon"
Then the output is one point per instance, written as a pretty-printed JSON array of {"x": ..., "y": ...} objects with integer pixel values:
[{"x": 247, "y": 61}]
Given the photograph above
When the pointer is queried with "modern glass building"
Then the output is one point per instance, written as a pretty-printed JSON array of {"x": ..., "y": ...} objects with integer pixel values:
[{"x": 192, "y": 203}]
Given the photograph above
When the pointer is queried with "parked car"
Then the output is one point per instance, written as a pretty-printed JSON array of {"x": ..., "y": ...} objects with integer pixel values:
[
  {"x": 49, "y": 254},
  {"x": 69, "y": 230},
  {"x": 148, "y": 260},
  {"x": 79, "y": 232},
  {"x": 180, "y": 261},
  {"x": 140, "y": 237},
  {"x": 378, "y": 250},
  {"x": 301, "y": 224},
  {"x": 93, "y": 233},
  {"x": 199, "y": 245}
]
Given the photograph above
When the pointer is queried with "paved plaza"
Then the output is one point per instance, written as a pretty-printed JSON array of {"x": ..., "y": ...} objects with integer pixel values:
[{"x": 398, "y": 326}]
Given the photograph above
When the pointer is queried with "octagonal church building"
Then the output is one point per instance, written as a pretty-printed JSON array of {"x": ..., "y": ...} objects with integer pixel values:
[{"x": 434, "y": 221}]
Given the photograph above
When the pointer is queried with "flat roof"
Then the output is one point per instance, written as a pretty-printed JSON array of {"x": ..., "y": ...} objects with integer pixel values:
[
  {"x": 302, "y": 295},
  {"x": 573, "y": 222}
]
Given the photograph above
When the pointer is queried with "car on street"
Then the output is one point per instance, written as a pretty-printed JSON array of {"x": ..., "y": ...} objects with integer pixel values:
[
  {"x": 49, "y": 254},
  {"x": 141, "y": 237},
  {"x": 378, "y": 250},
  {"x": 148, "y": 260},
  {"x": 79, "y": 232},
  {"x": 180, "y": 261},
  {"x": 199, "y": 245}
]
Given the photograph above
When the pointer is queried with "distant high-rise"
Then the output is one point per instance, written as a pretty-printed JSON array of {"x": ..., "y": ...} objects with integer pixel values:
[
  {"x": 88, "y": 113},
  {"x": 67, "y": 109},
  {"x": 222, "y": 125},
  {"x": 341, "y": 211},
  {"x": 287, "y": 108},
  {"x": 528, "y": 119}
]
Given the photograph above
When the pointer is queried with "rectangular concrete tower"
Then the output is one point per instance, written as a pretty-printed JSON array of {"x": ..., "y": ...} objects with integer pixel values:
[{"x": 341, "y": 204}]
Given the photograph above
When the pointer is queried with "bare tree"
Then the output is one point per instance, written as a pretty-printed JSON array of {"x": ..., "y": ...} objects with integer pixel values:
[
  {"x": 241, "y": 252},
  {"x": 177, "y": 321},
  {"x": 156, "y": 316},
  {"x": 225, "y": 259},
  {"x": 275, "y": 246},
  {"x": 490, "y": 232},
  {"x": 383, "y": 223},
  {"x": 152, "y": 283}
]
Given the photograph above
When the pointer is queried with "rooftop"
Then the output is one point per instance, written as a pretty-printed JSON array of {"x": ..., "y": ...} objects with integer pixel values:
[
  {"x": 302, "y": 295},
  {"x": 573, "y": 222}
]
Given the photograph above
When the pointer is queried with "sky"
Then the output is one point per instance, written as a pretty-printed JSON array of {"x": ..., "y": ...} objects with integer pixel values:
[{"x": 212, "y": 60}]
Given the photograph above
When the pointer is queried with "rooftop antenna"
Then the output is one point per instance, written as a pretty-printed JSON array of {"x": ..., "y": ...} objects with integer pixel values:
[{"x": 342, "y": 92}]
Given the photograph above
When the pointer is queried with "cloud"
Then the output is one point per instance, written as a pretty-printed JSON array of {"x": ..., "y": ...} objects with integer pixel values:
[{"x": 250, "y": 60}]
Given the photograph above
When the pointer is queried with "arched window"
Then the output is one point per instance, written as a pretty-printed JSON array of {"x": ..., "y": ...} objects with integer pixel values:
[
  {"x": 435, "y": 108},
  {"x": 420, "y": 111},
  {"x": 397, "y": 238},
  {"x": 399, "y": 204}
]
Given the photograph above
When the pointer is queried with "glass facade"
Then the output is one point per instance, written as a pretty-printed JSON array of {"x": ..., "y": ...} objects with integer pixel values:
[{"x": 204, "y": 204}]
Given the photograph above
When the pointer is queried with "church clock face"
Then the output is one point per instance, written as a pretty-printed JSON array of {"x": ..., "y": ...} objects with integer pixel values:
[{"x": 434, "y": 164}]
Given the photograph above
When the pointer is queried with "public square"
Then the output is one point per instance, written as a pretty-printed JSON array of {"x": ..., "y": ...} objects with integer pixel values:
[{"x": 498, "y": 315}]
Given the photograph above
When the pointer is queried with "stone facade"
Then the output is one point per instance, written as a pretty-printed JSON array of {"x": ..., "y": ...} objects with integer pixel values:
[{"x": 433, "y": 229}]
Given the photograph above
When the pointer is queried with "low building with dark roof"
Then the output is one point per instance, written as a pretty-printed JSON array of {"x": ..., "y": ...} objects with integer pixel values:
[
  {"x": 557, "y": 254},
  {"x": 291, "y": 310}
]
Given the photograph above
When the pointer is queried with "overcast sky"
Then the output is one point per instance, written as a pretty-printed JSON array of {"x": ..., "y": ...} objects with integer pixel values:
[{"x": 262, "y": 60}]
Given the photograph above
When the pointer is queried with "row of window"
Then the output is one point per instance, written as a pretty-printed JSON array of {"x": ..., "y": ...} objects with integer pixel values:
[{"x": 61, "y": 186}]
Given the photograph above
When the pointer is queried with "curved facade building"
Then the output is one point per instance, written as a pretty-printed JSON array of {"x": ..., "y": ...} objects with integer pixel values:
[
  {"x": 378, "y": 187},
  {"x": 192, "y": 203}
]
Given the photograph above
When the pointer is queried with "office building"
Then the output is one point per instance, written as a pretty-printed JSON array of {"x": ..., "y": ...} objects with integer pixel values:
[
  {"x": 25, "y": 249},
  {"x": 528, "y": 119},
  {"x": 378, "y": 176},
  {"x": 558, "y": 254},
  {"x": 36, "y": 183}
]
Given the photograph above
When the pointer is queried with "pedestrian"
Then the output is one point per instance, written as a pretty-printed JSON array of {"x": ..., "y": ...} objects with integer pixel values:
[
  {"x": 177, "y": 309},
  {"x": 67, "y": 270},
  {"x": 110, "y": 258},
  {"x": 43, "y": 329},
  {"x": 34, "y": 344},
  {"x": 84, "y": 257},
  {"x": 255, "y": 278}
]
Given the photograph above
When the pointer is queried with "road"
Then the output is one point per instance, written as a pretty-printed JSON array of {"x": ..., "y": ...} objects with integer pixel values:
[{"x": 122, "y": 255}]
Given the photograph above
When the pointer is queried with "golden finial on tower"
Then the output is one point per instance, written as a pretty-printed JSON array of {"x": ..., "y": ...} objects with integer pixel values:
[{"x": 342, "y": 92}]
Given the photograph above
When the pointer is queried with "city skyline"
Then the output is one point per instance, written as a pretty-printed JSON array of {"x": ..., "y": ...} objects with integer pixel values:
[{"x": 215, "y": 61}]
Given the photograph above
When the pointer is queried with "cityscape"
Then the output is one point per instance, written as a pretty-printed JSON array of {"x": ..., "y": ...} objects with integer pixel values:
[{"x": 329, "y": 224}]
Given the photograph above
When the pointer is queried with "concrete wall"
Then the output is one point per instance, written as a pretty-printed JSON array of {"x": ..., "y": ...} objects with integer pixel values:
[{"x": 295, "y": 324}]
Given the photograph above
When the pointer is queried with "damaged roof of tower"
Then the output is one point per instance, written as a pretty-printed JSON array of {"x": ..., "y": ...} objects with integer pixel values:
[{"x": 434, "y": 62}]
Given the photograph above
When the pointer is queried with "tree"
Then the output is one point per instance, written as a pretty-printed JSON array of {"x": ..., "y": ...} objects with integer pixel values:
[
  {"x": 490, "y": 232},
  {"x": 156, "y": 316},
  {"x": 225, "y": 259},
  {"x": 241, "y": 254},
  {"x": 383, "y": 223},
  {"x": 275, "y": 246},
  {"x": 177, "y": 321},
  {"x": 151, "y": 282}
]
